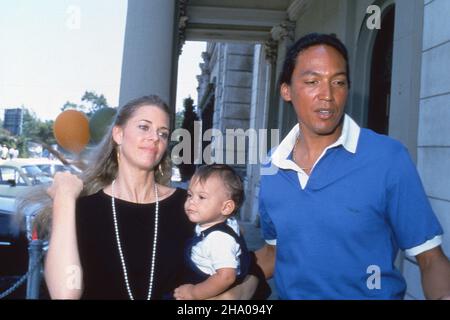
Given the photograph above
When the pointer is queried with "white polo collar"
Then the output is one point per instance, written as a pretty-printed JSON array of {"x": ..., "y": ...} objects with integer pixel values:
[{"x": 348, "y": 139}]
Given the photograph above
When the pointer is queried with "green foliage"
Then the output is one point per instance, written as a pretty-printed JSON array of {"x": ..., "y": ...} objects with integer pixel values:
[
  {"x": 70, "y": 105},
  {"x": 5, "y": 137},
  {"x": 95, "y": 101},
  {"x": 33, "y": 129},
  {"x": 179, "y": 116},
  {"x": 189, "y": 117},
  {"x": 36, "y": 130}
]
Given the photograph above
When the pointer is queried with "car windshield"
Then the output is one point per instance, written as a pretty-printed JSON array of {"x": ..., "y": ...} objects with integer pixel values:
[
  {"x": 31, "y": 171},
  {"x": 41, "y": 179},
  {"x": 36, "y": 174},
  {"x": 45, "y": 167},
  {"x": 51, "y": 169},
  {"x": 61, "y": 168}
]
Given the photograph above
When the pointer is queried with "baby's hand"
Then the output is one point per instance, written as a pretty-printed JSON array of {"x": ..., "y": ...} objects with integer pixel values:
[{"x": 184, "y": 292}]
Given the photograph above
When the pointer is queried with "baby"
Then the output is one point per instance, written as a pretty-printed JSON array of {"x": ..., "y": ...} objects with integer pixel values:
[{"x": 217, "y": 257}]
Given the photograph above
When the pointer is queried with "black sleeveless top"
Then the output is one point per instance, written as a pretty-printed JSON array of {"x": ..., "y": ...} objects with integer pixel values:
[
  {"x": 102, "y": 271},
  {"x": 195, "y": 275}
]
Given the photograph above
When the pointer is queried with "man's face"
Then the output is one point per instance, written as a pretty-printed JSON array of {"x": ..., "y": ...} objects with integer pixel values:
[{"x": 318, "y": 90}]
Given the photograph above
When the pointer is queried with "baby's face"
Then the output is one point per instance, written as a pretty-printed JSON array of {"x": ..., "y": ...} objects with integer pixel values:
[{"x": 205, "y": 203}]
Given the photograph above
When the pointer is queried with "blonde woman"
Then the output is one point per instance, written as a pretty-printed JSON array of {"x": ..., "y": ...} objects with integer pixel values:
[{"x": 119, "y": 231}]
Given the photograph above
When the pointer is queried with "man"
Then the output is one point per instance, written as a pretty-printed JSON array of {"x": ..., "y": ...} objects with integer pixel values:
[{"x": 344, "y": 199}]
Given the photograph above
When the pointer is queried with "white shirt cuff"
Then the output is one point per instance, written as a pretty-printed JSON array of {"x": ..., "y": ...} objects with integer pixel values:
[
  {"x": 272, "y": 242},
  {"x": 428, "y": 245}
]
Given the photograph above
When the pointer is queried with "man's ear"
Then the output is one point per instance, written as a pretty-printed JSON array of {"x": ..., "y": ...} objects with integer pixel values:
[
  {"x": 117, "y": 135},
  {"x": 228, "y": 207},
  {"x": 285, "y": 92}
]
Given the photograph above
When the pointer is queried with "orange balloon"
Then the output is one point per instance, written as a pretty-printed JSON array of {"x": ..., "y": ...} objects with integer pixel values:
[{"x": 71, "y": 130}]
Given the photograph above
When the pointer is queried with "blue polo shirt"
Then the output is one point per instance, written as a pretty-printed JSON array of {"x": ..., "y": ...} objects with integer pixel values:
[{"x": 338, "y": 234}]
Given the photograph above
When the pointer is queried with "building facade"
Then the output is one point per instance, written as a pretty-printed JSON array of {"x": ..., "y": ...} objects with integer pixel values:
[{"x": 13, "y": 121}]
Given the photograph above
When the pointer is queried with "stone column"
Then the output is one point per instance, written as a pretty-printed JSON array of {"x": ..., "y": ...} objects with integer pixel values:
[
  {"x": 150, "y": 53},
  {"x": 258, "y": 113},
  {"x": 284, "y": 34},
  {"x": 263, "y": 86},
  {"x": 271, "y": 55}
]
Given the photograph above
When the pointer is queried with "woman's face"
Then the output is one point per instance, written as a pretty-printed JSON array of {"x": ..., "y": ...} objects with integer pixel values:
[{"x": 144, "y": 138}]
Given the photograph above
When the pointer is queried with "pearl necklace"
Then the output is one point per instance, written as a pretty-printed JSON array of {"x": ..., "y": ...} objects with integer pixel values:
[{"x": 122, "y": 259}]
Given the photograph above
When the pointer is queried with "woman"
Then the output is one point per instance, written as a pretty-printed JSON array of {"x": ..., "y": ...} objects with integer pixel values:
[{"x": 124, "y": 237}]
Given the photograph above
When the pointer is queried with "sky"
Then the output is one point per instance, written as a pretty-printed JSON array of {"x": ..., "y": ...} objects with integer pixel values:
[
  {"x": 52, "y": 51},
  {"x": 188, "y": 69}
]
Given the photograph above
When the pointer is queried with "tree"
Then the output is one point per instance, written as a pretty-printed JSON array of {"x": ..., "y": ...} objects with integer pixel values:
[
  {"x": 34, "y": 130},
  {"x": 96, "y": 102},
  {"x": 71, "y": 105},
  {"x": 189, "y": 117},
  {"x": 179, "y": 116},
  {"x": 5, "y": 137}
]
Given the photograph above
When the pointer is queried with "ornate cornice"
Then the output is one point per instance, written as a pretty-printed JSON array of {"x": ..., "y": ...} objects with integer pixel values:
[
  {"x": 271, "y": 50},
  {"x": 182, "y": 23},
  {"x": 284, "y": 31}
]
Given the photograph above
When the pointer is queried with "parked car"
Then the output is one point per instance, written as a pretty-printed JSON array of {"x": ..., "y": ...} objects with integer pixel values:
[
  {"x": 15, "y": 235},
  {"x": 13, "y": 249},
  {"x": 50, "y": 167},
  {"x": 18, "y": 175}
]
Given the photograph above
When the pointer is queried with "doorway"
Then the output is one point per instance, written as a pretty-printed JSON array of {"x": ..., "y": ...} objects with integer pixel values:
[{"x": 381, "y": 74}]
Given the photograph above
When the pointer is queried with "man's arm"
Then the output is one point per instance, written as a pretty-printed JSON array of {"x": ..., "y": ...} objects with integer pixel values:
[
  {"x": 435, "y": 270},
  {"x": 265, "y": 257}
]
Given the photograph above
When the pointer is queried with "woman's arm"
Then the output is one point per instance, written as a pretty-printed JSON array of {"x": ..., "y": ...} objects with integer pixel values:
[{"x": 63, "y": 273}]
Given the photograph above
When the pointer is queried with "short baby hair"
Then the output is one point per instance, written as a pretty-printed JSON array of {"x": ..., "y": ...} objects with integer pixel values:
[{"x": 229, "y": 177}]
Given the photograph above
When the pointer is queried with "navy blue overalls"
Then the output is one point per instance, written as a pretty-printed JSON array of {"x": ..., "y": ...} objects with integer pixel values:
[{"x": 194, "y": 275}]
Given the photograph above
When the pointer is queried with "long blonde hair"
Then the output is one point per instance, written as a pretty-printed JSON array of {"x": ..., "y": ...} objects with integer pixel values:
[{"x": 101, "y": 171}]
